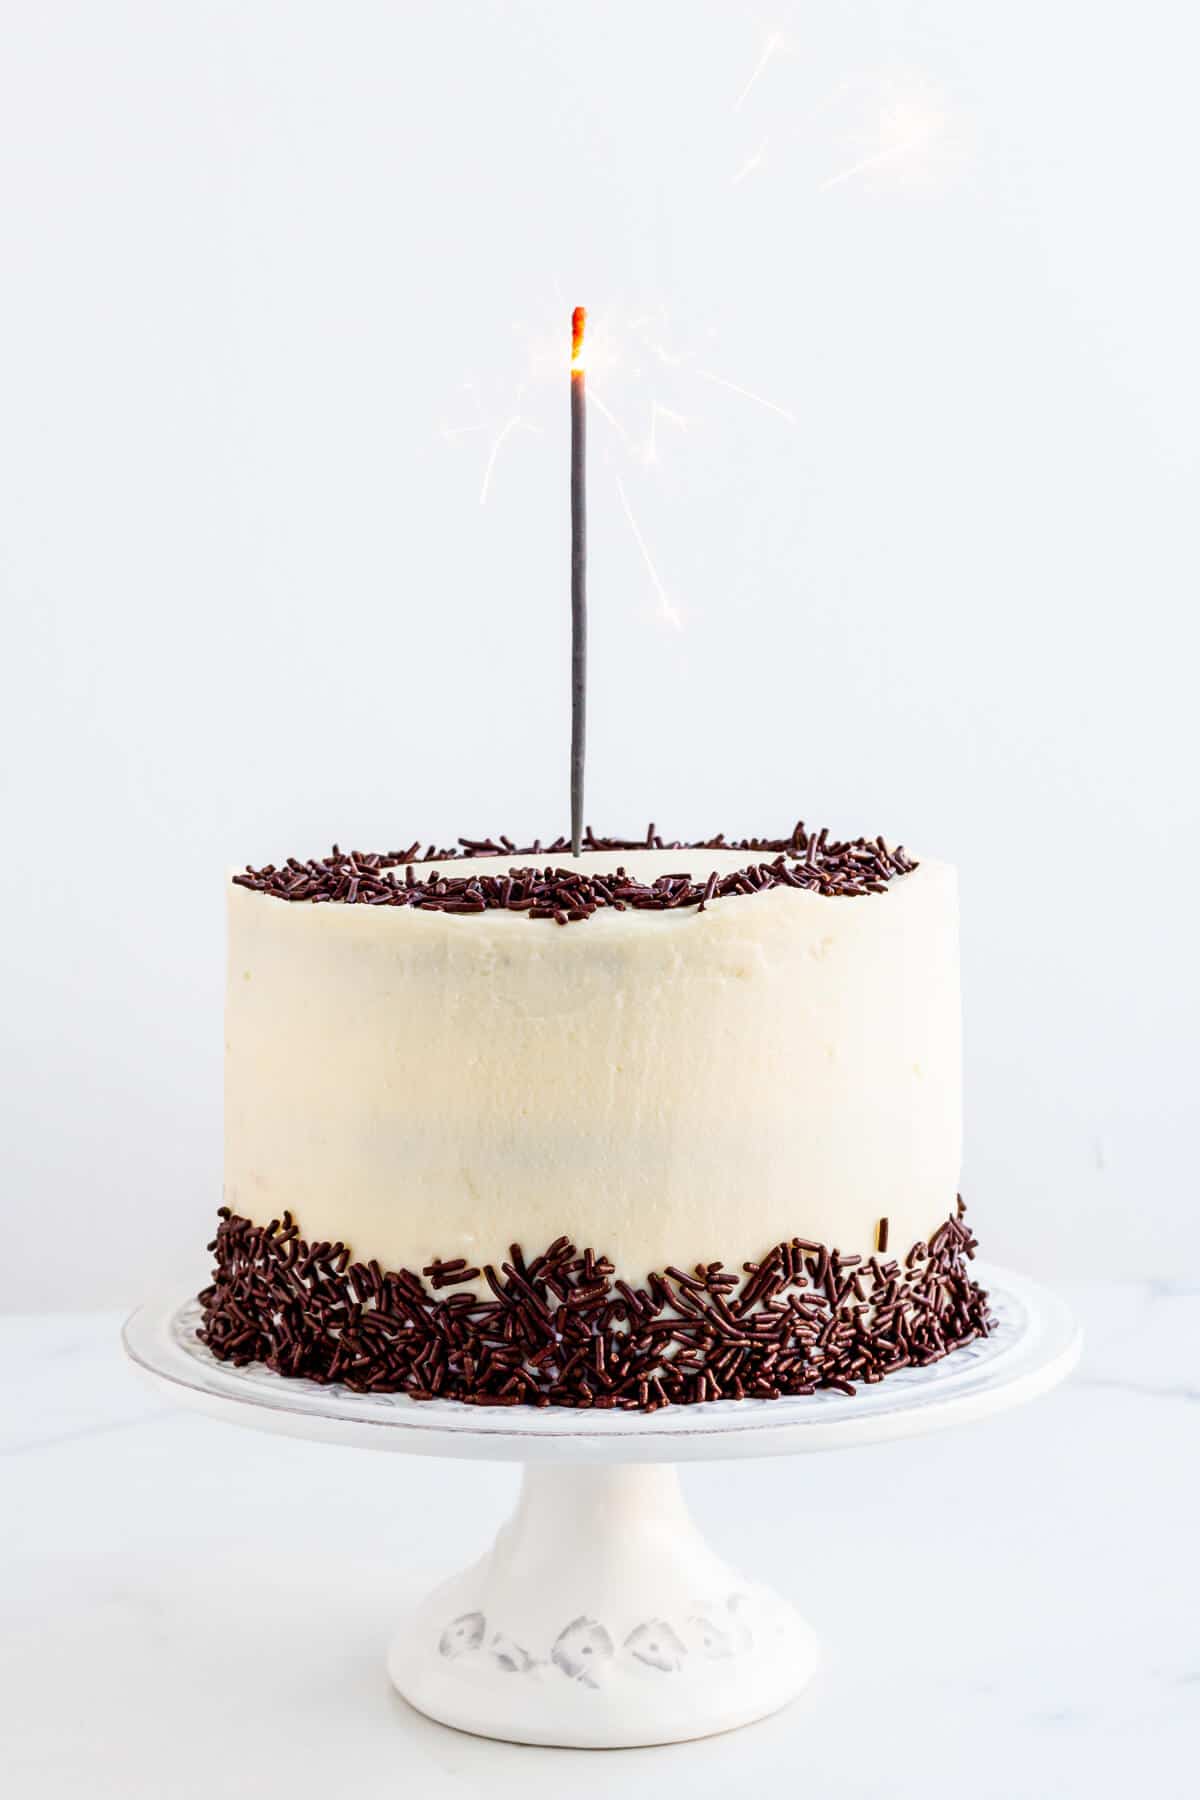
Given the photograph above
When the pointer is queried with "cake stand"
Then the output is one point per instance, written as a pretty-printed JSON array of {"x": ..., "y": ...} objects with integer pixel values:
[{"x": 600, "y": 1617}]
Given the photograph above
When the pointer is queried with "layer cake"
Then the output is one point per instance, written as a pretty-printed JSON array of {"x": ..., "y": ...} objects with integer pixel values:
[{"x": 651, "y": 1124}]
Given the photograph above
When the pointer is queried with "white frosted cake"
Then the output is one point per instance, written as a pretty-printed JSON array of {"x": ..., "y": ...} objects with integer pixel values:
[{"x": 702, "y": 1142}]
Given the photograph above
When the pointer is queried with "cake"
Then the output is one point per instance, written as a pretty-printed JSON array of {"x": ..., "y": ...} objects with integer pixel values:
[{"x": 653, "y": 1124}]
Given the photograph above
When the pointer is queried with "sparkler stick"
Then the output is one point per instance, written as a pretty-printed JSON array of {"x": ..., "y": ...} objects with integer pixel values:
[{"x": 578, "y": 575}]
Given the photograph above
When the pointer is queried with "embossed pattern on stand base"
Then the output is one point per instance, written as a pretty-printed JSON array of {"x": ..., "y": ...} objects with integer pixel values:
[{"x": 600, "y": 1618}]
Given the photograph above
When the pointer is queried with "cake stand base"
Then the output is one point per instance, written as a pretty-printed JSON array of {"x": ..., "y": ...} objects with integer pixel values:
[{"x": 601, "y": 1619}]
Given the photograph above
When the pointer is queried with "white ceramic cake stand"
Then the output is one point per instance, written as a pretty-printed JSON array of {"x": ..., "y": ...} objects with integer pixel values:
[{"x": 600, "y": 1617}]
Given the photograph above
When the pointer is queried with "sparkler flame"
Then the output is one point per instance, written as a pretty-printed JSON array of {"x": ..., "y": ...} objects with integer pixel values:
[{"x": 578, "y": 322}]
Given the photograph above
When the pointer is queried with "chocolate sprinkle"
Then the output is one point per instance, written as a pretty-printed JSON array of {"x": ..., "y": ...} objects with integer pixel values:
[
  {"x": 557, "y": 1329},
  {"x": 546, "y": 890}
]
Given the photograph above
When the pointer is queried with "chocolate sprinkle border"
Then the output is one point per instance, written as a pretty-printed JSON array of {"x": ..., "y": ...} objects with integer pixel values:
[
  {"x": 835, "y": 868},
  {"x": 559, "y": 1330}
]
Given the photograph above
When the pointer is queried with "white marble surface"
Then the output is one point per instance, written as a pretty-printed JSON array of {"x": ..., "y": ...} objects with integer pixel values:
[{"x": 1010, "y": 1610}]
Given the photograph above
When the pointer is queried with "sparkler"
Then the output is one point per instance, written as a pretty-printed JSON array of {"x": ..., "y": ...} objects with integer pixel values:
[{"x": 578, "y": 574}]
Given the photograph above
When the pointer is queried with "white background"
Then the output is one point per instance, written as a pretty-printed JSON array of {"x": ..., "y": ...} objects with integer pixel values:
[{"x": 259, "y": 263}]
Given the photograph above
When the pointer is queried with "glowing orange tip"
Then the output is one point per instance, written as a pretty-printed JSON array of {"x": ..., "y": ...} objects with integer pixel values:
[{"x": 578, "y": 321}]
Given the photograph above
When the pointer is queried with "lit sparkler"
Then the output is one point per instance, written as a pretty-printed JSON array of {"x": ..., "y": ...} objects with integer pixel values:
[{"x": 617, "y": 350}]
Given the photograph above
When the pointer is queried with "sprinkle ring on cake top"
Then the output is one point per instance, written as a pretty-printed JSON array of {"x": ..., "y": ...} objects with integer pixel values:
[{"x": 813, "y": 862}]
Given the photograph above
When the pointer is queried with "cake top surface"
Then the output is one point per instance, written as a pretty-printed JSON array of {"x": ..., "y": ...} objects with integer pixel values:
[{"x": 545, "y": 881}]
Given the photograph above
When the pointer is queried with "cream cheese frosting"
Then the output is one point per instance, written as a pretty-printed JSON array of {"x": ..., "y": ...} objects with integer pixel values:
[{"x": 665, "y": 1087}]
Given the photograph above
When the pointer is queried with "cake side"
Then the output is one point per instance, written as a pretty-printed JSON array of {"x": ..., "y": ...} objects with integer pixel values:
[{"x": 673, "y": 1086}]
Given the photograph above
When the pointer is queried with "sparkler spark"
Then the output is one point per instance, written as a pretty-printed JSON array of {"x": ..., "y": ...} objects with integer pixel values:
[
  {"x": 668, "y": 612},
  {"x": 672, "y": 358},
  {"x": 516, "y": 423},
  {"x": 605, "y": 413},
  {"x": 657, "y": 412},
  {"x": 751, "y": 164},
  {"x": 879, "y": 156},
  {"x": 448, "y": 433},
  {"x": 769, "y": 50},
  {"x": 910, "y": 121},
  {"x": 747, "y": 394}
]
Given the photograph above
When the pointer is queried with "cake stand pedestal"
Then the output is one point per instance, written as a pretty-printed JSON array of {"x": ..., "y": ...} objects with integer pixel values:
[{"x": 601, "y": 1618}]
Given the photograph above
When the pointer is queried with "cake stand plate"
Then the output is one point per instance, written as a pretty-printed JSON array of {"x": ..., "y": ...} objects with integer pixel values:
[{"x": 601, "y": 1618}]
